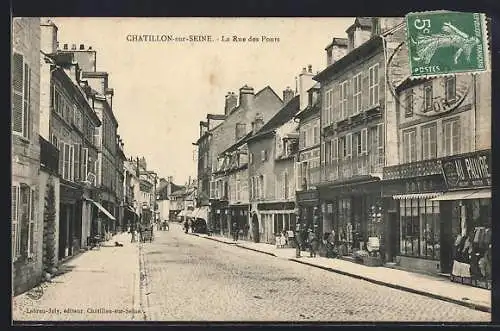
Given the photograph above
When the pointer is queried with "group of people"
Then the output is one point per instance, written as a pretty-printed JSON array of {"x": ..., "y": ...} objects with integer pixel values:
[
  {"x": 145, "y": 232},
  {"x": 308, "y": 238}
]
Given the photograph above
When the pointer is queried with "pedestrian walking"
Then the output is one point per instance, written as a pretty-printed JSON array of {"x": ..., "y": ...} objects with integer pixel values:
[
  {"x": 132, "y": 233},
  {"x": 313, "y": 243},
  {"x": 298, "y": 240},
  {"x": 235, "y": 231}
]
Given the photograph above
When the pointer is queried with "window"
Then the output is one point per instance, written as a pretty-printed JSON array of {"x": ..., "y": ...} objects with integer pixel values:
[
  {"x": 316, "y": 135},
  {"x": 344, "y": 90},
  {"x": 357, "y": 142},
  {"x": 364, "y": 141},
  {"x": 342, "y": 146},
  {"x": 419, "y": 228},
  {"x": 380, "y": 146},
  {"x": 77, "y": 117},
  {"x": 409, "y": 104},
  {"x": 356, "y": 85},
  {"x": 429, "y": 143},
  {"x": 55, "y": 141},
  {"x": 262, "y": 188},
  {"x": 451, "y": 89},
  {"x": 428, "y": 97},
  {"x": 335, "y": 149},
  {"x": 451, "y": 137},
  {"x": 68, "y": 158},
  {"x": 285, "y": 185},
  {"x": 21, "y": 93},
  {"x": 240, "y": 130},
  {"x": 263, "y": 155},
  {"x": 373, "y": 85},
  {"x": 348, "y": 145},
  {"x": 328, "y": 107},
  {"x": 409, "y": 146},
  {"x": 23, "y": 221}
]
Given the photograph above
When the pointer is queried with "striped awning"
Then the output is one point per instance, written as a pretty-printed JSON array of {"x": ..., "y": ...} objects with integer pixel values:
[{"x": 416, "y": 196}]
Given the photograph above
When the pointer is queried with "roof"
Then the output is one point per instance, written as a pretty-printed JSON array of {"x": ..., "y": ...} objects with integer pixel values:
[
  {"x": 238, "y": 143},
  {"x": 316, "y": 86},
  {"x": 284, "y": 115},
  {"x": 363, "y": 22},
  {"x": 358, "y": 53},
  {"x": 309, "y": 111},
  {"x": 337, "y": 41}
]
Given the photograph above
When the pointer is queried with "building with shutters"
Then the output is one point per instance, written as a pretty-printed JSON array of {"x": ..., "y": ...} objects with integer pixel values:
[
  {"x": 352, "y": 136},
  {"x": 437, "y": 183},
  {"x": 240, "y": 111},
  {"x": 122, "y": 204},
  {"x": 68, "y": 122},
  {"x": 26, "y": 217},
  {"x": 308, "y": 169}
]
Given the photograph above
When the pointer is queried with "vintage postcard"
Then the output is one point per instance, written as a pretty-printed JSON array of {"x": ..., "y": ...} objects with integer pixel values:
[{"x": 251, "y": 169}]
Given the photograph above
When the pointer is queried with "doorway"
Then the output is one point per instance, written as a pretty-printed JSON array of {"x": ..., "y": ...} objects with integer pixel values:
[{"x": 255, "y": 228}]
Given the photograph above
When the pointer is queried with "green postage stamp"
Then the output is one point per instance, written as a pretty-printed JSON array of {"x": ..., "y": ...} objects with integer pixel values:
[{"x": 442, "y": 43}]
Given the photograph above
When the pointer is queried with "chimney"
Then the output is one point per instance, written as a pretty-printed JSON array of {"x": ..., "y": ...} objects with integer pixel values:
[
  {"x": 359, "y": 32},
  {"x": 48, "y": 36},
  {"x": 246, "y": 97},
  {"x": 82, "y": 47},
  {"x": 109, "y": 93},
  {"x": 257, "y": 123},
  {"x": 336, "y": 50},
  {"x": 305, "y": 83},
  {"x": 288, "y": 95},
  {"x": 231, "y": 103}
]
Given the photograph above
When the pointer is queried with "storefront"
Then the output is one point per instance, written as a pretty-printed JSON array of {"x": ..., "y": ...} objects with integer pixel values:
[
  {"x": 275, "y": 217},
  {"x": 219, "y": 211},
  {"x": 239, "y": 215},
  {"x": 307, "y": 204},
  {"x": 353, "y": 209},
  {"x": 70, "y": 218},
  {"x": 466, "y": 208},
  {"x": 413, "y": 224}
]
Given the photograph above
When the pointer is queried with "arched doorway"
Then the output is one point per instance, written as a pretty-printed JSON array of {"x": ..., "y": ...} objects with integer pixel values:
[{"x": 255, "y": 228}]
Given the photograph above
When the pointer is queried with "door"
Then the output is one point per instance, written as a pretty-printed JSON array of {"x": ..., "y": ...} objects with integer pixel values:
[
  {"x": 446, "y": 240},
  {"x": 392, "y": 235},
  {"x": 255, "y": 228},
  {"x": 62, "y": 230}
]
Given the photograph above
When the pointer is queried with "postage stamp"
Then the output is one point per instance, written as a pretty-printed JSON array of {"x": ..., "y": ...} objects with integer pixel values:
[{"x": 443, "y": 43}]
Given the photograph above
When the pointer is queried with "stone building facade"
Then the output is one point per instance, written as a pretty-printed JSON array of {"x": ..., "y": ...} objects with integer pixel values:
[{"x": 26, "y": 215}]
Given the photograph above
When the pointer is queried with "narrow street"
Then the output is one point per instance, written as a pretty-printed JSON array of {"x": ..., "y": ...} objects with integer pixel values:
[{"x": 190, "y": 278}]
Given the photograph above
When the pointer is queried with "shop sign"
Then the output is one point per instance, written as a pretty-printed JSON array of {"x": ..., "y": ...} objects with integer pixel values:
[
  {"x": 311, "y": 195},
  {"x": 414, "y": 169},
  {"x": 276, "y": 206},
  {"x": 467, "y": 171}
]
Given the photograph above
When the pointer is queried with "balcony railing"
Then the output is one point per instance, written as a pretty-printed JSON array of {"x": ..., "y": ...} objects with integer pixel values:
[
  {"x": 49, "y": 156},
  {"x": 351, "y": 167}
]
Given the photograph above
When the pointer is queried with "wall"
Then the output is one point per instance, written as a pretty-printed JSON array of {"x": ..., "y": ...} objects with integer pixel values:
[
  {"x": 483, "y": 111},
  {"x": 26, "y": 152},
  {"x": 53, "y": 234}
]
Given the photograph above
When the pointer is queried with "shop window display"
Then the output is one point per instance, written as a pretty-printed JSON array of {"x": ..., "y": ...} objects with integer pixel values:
[
  {"x": 420, "y": 229},
  {"x": 472, "y": 246}
]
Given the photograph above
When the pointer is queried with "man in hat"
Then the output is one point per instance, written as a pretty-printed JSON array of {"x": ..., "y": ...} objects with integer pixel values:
[
  {"x": 313, "y": 242},
  {"x": 298, "y": 240}
]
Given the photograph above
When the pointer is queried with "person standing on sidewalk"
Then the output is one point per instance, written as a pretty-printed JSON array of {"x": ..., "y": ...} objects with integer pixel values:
[
  {"x": 313, "y": 243},
  {"x": 298, "y": 240},
  {"x": 235, "y": 231}
]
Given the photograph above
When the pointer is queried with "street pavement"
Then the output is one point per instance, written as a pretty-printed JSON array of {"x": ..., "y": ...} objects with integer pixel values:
[
  {"x": 188, "y": 278},
  {"x": 99, "y": 285}
]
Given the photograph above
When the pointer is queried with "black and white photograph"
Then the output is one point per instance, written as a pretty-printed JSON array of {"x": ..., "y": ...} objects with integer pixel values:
[{"x": 264, "y": 169}]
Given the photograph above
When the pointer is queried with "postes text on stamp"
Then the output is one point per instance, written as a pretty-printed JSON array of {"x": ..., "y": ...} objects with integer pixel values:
[{"x": 442, "y": 43}]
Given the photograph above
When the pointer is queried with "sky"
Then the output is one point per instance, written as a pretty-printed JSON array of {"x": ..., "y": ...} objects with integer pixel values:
[{"x": 162, "y": 90}]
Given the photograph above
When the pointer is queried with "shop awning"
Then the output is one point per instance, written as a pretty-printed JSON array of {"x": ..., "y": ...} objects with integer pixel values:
[
  {"x": 104, "y": 210},
  {"x": 203, "y": 213},
  {"x": 465, "y": 195},
  {"x": 416, "y": 196}
]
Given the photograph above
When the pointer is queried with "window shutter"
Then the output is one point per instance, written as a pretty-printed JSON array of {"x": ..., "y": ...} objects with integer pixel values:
[
  {"x": 17, "y": 92},
  {"x": 72, "y": 163},
  {"x": 349, "y": 144},
  {"x": 350, "y": 92},
  {"x": 335, "y": 149},
  {"x": 31, "y": 231},
  {"x": 364, "y": 141}
]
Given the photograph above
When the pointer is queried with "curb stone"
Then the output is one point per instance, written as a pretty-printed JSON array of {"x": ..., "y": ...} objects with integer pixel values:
[{"x": 470, "y": 305}]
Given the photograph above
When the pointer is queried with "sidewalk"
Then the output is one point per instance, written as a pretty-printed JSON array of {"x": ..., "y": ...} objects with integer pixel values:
[
  {"x": 435, "y": 287},
  {"x": 100, "y": 284}
]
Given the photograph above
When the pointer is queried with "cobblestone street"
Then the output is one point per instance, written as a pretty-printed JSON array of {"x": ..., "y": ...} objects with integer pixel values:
[{"x": 193, "y": 279}]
